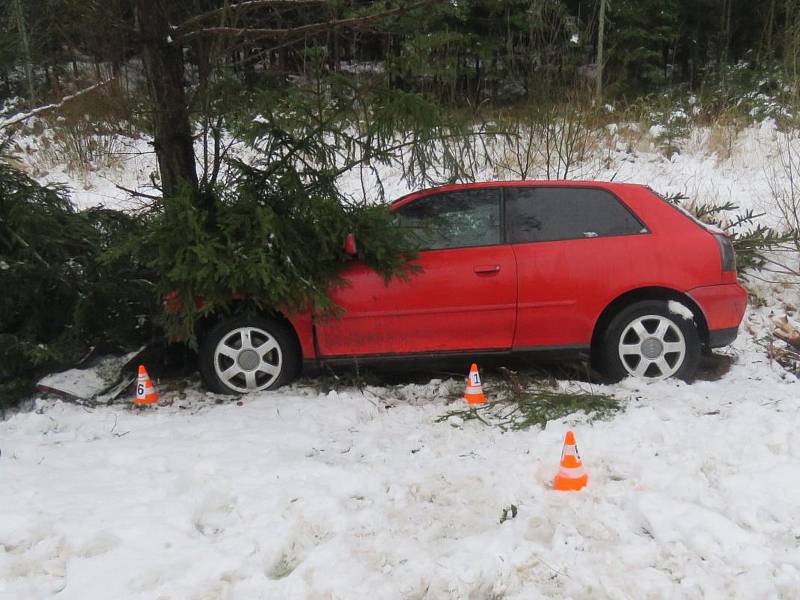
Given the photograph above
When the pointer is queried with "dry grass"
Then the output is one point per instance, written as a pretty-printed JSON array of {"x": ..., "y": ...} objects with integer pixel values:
[
  {"x": 723, "y": 134},
  {"x": 86, "y": 134}
]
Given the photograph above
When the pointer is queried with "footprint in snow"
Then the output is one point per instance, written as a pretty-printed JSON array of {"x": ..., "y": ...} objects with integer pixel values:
[
  {"x": 307, "y": 537},
  {"x": 214, "y": 513}
]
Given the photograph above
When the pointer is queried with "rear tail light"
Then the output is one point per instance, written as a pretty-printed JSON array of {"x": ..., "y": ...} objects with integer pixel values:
[{"x": 726, "y": 252}]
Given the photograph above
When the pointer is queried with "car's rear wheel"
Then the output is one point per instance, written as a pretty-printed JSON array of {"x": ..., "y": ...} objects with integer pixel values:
[
  {"x": 647, "y": 341},
  {"x": 248, "y": 354}
]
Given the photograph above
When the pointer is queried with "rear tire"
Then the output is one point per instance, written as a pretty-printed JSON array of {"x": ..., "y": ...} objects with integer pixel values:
[
  {"x": 246, "y": 354},
  {"x": 647, "y": 341}
]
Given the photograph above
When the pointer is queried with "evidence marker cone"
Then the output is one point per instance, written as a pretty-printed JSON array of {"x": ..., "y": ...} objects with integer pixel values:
[
  {"x": 474, "y": 392},
  {"x": 145, "y": 390},
  {"x": 571, "y": 476}
]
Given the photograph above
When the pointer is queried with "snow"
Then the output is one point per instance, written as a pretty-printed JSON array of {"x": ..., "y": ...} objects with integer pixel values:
[
  {"x": 129, "y": 166},
  {"x": 362, "y": 494},
  {"x": 677, "y": 308}
]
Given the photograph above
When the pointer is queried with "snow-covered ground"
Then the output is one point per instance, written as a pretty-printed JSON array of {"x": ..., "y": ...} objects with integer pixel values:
[
  {"x": 693, "y": 490},
  {"x": 295, "y": 494}
]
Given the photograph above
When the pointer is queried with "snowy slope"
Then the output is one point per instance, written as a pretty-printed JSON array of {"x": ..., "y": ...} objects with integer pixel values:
[
  {"x": 746, "y": 177},
  {"x": 293, "y": 494},
  {"x": 693, "y": 489}
]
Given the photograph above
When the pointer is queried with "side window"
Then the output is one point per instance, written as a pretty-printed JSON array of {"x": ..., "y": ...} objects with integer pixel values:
[
  {"x": 454, "y": 219},
  {"x": 562, "y": 213}
]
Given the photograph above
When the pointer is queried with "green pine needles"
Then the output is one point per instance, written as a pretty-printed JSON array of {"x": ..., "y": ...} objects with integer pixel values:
[
  {"x": 68, "y": 285},
  {"x": 520, "y": 401},
  {"x": 270, "y": 242}
]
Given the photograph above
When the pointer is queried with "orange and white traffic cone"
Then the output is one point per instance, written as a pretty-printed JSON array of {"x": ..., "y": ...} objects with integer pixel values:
[
  {"x": 474, "y": 392},
  {"x": 145, "y": 390},
  {"x": 571, "y": 476}
]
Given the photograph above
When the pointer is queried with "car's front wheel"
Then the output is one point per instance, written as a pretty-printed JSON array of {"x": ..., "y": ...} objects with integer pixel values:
[
  {"x": 648, "y": 341},
  {"x": 248, "y": 354}
]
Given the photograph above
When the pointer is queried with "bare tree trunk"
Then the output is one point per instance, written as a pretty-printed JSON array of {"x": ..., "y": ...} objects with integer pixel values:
[
  {"x": 767, "y": 36},
  {"x": 163, "y": 65},
  {"x": 727, "y": 11},
  {"x": 600, "y": 33},
  {"x": 790, "y": 44},
  {"x": 25, "y": 43}
]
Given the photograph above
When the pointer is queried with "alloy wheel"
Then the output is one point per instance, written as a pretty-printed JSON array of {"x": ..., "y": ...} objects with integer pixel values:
[
  {"x": 652, "y": 347},
  {"x": 248, "y": 359}
]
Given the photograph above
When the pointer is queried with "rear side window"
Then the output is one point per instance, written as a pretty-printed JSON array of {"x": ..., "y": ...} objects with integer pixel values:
[
  {"x": 560, "y": 213},
  {"x": 454, "y": 219}
]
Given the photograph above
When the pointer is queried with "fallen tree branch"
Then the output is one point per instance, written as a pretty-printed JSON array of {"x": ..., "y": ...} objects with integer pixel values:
[
  {"x": 302, "y": 30},
  {"x": 136, "y": 194},
  {"x": 15, "y": 238},
  {"x": 241, "y": 8},
  {"x": 19, "y": 118}
]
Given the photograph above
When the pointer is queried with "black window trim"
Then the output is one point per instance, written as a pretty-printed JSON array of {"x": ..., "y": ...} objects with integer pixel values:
[{"x": 506, "y": 225}]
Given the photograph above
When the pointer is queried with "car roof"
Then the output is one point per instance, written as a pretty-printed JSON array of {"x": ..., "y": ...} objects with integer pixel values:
[{"x": 607, "y": 185}]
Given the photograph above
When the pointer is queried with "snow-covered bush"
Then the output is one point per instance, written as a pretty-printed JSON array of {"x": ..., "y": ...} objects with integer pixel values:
[{"x": 670, "y": 124}]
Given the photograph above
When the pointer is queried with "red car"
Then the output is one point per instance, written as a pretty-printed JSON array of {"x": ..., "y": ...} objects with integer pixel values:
[{"x": 606, "y": 270}]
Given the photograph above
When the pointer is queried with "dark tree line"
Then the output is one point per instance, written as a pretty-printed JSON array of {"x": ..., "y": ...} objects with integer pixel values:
[
  {"x": 496, "y": 50},
  {"x": 465, "y": 54},
  {"x": 192, "y": 56}
]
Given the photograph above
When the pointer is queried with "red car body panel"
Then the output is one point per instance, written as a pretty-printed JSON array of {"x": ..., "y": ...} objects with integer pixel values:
[
  {"x": 722, "y": 305},
  {"x": 524, "y": 296},
  {"x": 437, "y": 308}
]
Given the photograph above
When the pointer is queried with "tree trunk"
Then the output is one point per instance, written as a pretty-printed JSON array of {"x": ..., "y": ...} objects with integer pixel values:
[
  {"x": 767, "y": 36},
  {"x": 25, "y": 43},
  {"x": 727, "y": 11},
  {"x": 600, "y": 33},
  {"x": 172, "y": 132}
]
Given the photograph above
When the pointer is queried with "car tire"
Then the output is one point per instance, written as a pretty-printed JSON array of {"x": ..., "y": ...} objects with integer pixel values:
[
  {"x": 246, "y": 354},
  {"x": 648, "y": 341}
]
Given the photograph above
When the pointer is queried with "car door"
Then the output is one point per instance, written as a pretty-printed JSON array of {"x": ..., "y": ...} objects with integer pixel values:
[
  {"x": 463, "y": 296},
  {"x": 574, "y": 246}
]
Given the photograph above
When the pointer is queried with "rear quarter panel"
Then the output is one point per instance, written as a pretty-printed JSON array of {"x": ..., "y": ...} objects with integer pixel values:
[
  {"x": 677, "y": 253},
  {"x": 565, "y": 285}
]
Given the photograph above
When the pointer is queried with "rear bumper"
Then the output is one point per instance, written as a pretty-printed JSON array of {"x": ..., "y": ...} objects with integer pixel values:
[{"x": 723, "y": 307}]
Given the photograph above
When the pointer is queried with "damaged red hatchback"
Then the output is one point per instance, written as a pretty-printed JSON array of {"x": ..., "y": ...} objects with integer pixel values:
[{"x": 610, "y": 271}]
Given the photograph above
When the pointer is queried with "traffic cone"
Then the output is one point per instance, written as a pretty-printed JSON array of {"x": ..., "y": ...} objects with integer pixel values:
[
  {"x": 571, "y": 476},
  {"x": 474, "y": 392},
  {"x": 145, "y": 390}
]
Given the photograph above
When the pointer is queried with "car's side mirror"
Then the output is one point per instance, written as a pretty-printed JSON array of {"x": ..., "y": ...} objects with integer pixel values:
[{"x": 350, "y": 247}]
